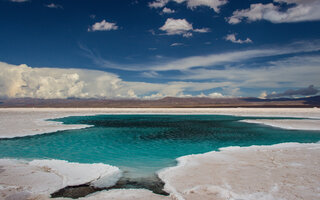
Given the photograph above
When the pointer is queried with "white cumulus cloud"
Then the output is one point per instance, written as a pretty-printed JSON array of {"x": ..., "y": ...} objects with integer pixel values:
[
  {"x": 214, "y": 4},
  {"x": 168, "y": 10},
  {"x": 232, "y": 38},
  {"x": 103, "y": 26},
  {"x": 180, "y": 27},
  {"x": 299, "y": 11},
  {"x": 158, "y": 3},
  {"x": 24, "y": 81},
  {"x": 202, "y": 30}
]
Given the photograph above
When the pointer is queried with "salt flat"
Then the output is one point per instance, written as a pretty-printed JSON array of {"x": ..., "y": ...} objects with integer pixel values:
[{"x": 283, "y": 171}]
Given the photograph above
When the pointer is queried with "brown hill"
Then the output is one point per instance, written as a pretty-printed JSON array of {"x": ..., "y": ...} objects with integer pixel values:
[{"x": 168, "y": 102}]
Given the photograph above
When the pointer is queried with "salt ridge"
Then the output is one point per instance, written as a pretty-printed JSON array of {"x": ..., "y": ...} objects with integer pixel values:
[{"x": 43, "y": 177}]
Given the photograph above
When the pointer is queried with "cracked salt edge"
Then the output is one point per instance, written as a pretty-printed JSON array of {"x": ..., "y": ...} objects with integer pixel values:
[{"x": 68, "y": 173}]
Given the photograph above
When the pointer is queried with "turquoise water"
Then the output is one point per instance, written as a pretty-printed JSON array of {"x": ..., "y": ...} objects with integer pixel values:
[{"x": 143, "y": 144}]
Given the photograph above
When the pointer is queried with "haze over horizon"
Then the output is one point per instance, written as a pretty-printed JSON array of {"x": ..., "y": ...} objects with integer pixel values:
[{"x": 158, "y": 48}]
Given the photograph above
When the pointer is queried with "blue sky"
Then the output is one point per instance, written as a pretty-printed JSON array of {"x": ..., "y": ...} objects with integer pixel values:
[{"x": 152, "y": 49}]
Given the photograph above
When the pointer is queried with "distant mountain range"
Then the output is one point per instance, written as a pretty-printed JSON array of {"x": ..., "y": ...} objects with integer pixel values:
[{"x": 167, "y": 102}]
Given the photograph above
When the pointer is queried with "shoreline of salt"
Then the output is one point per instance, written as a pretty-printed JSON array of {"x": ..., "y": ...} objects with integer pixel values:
[
  {"x": 35, "y": 121},
  {"x": 289, "y": 124}
]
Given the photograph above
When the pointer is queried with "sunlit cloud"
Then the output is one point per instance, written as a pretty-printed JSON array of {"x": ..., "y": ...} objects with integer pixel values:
[
  {"x": 166, "y": 10},
  {"x": 103, "y": 26},
  {"x": 299, "y": 11},
  {"x": 180, "y": 27},
  {"x": 20, "y": 81}
]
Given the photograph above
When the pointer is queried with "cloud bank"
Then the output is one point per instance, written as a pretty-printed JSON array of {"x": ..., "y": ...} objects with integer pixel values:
[
  {"x": 20, "y": 81},
  {"x": 311, "y": 90}
]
